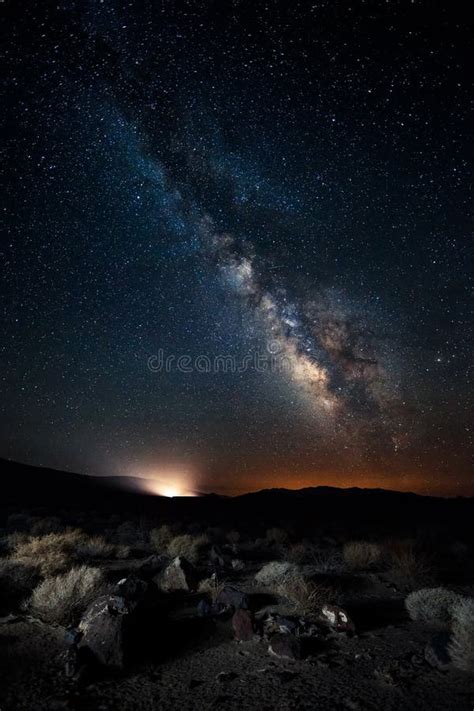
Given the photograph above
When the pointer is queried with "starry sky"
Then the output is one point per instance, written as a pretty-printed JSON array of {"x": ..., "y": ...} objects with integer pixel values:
[{"x": 237, "y": 244}]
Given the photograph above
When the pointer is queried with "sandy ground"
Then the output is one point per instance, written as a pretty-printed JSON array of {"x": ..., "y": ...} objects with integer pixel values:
[{"x": 197, "y": 664}]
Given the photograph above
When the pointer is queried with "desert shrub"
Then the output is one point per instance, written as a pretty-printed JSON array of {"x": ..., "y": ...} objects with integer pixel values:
[
  {"x": 48, "y": 524},
  {"x": 273, "y": 572},
  {"x": 461, "y": 647},
  {"x": 161, "y": 537},
  {"x": 14, "y": 539},
  {"x": 216, "y": 534},
  {"x": 131, "y": 534},
  {"x": 298, "y": 553},
  {"x": 94, "y": 547},
  {"x": 432, "y": 606},
  {"x": 277, "y": 535},
  {"x": 17, "y": 580},
  {"x": 189, "y": 547},
  {"x": 233, "y": 537},
  {"x": 328, "y": 562},
  {"x": 63, "y": 598},
  {"x": 406, "y": 564},
  {"x": 122, "y": 552},
  {"x": 361, "y": 555},
  {"x": 52, "y": 553},
  {"x": 305, "y": 596},
  {"x": 211, "y": 586}
]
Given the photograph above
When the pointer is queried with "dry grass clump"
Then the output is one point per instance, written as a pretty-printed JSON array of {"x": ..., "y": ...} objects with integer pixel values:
[
  {"x": 130, "y": 533},
  {"x": 63, "y": 598},
  {"x": 46, "y": 524},
  {"x": 14, "y": 539},
  {"x": 212, "y": 587},
  {"x": 233, "y": 537},
  {"x": 273, "y": 572},
  {"x": 406, "y": 564},
  {"x": 94, "y": 547},
  {"x": 51, "y": 554},
  {"x": 461, "y": 648},
  {"x": 361, "y": 555},
  {"x": 121, "y": 552},
  {"x": 277, "y": 535},
  {"x": 188, "y": 546},
  {"x": 305, "y": 596},
  {"x": 298, "y": 553},
  {"x": 161, "y": 537},
  {"x": 432, "y": 606}
]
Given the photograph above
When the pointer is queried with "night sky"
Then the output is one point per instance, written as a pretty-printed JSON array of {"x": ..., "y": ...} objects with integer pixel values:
[{"x": 281, "y": 185}]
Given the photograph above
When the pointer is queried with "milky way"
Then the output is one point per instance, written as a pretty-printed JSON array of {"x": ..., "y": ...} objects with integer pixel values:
[{"x": 285, "y": 181}]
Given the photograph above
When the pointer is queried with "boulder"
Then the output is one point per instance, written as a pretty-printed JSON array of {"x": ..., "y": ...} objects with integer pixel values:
[
  {"x": 243, "y": 625},
  {"x": 153, "y": 565},
  {"x": 102, "y": 630},
  {"x": 132, "y": 589},
  {"x": 285, "y": 646},
  {"x": 180, "y": 574},
  {"x": 231, "y": 596},
  {"x": 337, "y": 618}
]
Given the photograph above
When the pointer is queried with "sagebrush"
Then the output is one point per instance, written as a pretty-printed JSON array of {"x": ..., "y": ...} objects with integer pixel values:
[
  {"x": 461, "y": 647},
  {"x": 187, "y": 546},
  {"x": 63, "y": 598},
  {"x": 361, "y": 555},
  {"x": 432, "y": 606},
  {"x": 51, "y": 554}
]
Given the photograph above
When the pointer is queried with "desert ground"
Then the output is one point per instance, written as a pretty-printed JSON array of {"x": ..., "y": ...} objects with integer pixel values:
[{"x": 238, "y": 604}]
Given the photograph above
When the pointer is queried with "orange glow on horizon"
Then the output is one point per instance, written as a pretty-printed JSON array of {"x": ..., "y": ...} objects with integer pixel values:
[{"x": 416, "y": 483}]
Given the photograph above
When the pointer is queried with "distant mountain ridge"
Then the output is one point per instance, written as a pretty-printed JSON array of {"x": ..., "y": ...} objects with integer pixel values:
[
  {"x": 39, "y": 477},
  {"x": 47, "y": 491}
]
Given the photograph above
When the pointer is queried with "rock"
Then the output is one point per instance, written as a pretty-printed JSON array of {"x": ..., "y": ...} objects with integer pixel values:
[
  {"x": 153, "y": 565},
  {"x": 102, "y": 627},
  {"x": 72, "y": 636},
  {"x": 337, "y": 618},
  {"x": 217, "y": 558},
  {"x": 237, "y": 564},
  {"x": 437, "y": 651},
  {"x": 226, "y": 676},
  {"x": 71, "y": 662},
  {"x": 231, "y": 596},
  {"x": 180, "y": 574},
  {"x": 274, "y": 624},
  {"x": 285, "y": 646},
  {"x": 286, "y": 675},
  {"x": 132, "y": 589},
  {"x": 204, "y": 608},
  {"x": 243, "y": 625}
]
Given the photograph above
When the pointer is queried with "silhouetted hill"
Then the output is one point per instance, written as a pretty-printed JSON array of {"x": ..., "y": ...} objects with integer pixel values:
[{"x": 26, "y": 487}]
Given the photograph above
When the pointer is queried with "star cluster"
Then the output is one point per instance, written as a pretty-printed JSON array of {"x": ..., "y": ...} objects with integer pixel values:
[{"x": 232, "y": 179}]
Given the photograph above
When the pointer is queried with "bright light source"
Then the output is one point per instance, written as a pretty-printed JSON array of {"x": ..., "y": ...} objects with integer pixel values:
[
  {"x": 169, "y": 491},
  {"x": 167, "y": 482}
]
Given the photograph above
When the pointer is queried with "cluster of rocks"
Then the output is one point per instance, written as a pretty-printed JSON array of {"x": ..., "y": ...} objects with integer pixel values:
[
  {"x": 285, "y": 635},
  {"x": 101, "y": 635},
  {"x": 106, "y": 626},
  {"x": 288, "y": 636}
]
